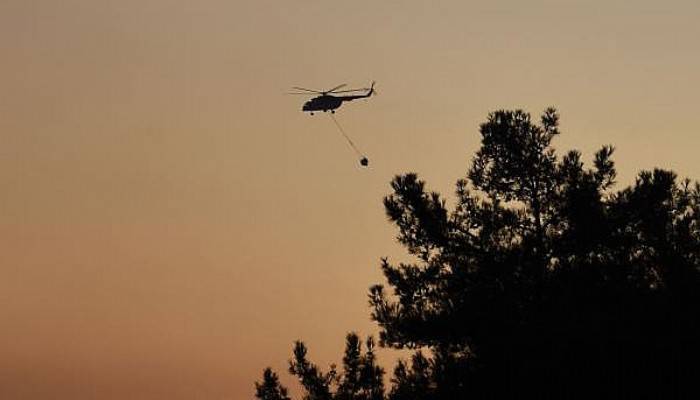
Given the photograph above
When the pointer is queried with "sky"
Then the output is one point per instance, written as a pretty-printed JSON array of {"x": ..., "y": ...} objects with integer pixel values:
[{"x": 170, "y": 222}]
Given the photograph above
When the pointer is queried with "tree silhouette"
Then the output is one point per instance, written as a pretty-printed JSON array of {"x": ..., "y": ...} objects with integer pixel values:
[
  {"x": 542, "y": 280},
  {"x": 360, "y": 379},
  {"x": 270, "y": 388}
]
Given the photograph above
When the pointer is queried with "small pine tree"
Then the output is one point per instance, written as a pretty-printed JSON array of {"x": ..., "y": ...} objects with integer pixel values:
[{"x": 270, "y": 387}]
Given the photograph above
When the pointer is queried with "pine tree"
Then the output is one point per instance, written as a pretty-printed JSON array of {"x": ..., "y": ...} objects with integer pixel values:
[
  {"x": 270, "y": 388},
  {"x": 541, "y": 280}
]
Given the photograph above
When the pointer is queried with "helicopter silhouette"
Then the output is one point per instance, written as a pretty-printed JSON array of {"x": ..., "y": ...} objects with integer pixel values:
[{"x": 327, "y": 101}]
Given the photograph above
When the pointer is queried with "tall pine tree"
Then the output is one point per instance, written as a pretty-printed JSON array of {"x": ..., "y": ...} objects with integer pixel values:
[{"x": 541, "y": 280}]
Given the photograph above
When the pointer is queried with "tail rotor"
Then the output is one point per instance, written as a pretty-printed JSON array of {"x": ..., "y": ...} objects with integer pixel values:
[{"x": 372, "y": 90}]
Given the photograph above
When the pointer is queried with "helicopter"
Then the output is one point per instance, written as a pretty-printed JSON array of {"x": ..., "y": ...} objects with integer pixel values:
[{"x": 327, "y": 101}]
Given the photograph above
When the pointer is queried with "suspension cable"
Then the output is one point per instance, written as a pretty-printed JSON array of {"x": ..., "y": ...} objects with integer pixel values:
[{"x": 350, "y": 142}]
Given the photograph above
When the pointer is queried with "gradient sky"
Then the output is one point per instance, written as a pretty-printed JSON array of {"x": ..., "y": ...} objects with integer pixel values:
[{"x": 170, "y": 221}]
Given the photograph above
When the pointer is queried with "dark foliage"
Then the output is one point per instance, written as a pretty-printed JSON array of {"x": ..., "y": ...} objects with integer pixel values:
[
  {"x": 543, "y": 280},
  {"x": 270, "y": 388},
  {"x": 360, "y": 379}
]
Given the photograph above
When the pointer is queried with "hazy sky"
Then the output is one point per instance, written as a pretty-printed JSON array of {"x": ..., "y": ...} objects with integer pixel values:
[{"x": 170, "y": 221}]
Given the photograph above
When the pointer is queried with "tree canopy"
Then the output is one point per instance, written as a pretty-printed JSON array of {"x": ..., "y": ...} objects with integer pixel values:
[{"x": 542, "y": 279}]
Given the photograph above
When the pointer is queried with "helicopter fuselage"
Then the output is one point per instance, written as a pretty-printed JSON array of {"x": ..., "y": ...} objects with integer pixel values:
[
  {"x": 328, "y": 102},
  {"x": 322, "y": 103}
]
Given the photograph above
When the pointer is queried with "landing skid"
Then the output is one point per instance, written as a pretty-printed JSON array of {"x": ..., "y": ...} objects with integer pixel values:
[{"x": 332, "y": 112}]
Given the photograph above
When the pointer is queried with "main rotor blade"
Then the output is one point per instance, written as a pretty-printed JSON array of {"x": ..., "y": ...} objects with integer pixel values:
[
  {"x": 352, "y": 90},
  {"x": 305, "y": 94},
  {"x": 335, "y": 88},
  {"x": 306, "y": 90}
]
